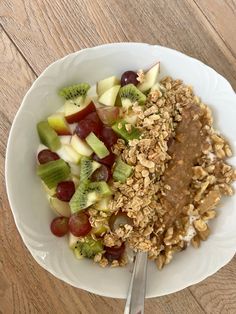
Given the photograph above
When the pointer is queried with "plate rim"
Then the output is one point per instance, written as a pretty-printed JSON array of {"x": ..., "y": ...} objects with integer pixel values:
[{"x": 7, "y": 178}]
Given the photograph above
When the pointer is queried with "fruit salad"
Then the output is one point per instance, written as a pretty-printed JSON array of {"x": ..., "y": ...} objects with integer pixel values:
[{"x": 76, "y": 162}]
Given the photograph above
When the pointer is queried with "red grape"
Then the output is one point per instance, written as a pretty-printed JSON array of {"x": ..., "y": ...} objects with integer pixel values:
[
  {"x": 119, "y": 219},
  {"x": 65, "y": 190},
  {"x": 108, "y": 161},
  {"x": 85, "y": 127},
  {"x": 108, "y": 115},
  {"x": 129, "y": 77},
  {"x": 108, "y": 136},
  {"x": 59, "y": 226},
  {"x": 101, "y": 174},
  {"x": 79, "y": 224},
  {"x": 114, "y": 252},
  {"x": 47, "y": 155},
  {"x": 93, "y": 116}
]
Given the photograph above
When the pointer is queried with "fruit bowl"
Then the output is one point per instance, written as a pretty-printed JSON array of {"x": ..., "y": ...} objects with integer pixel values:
[{"x": 27, "y": 198}]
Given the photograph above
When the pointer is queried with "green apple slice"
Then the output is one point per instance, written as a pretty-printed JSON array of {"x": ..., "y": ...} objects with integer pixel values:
[
  {"x": 109, "y": 97},
  {"x": 151, "y": 77},
  {"x": 97, "y": 146},
  {"x": 107, "y": 83},
  {"x": 61, "y": 208},
  {"x": 58, "y": 122},
  {"x": 80, "y": 146}
]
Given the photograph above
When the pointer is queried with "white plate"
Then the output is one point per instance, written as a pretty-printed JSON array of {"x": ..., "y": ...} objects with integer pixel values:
[{"x": 28, "y": 200}]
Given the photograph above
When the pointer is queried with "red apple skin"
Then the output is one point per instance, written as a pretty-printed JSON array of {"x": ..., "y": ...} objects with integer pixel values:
[
  {"x": 76, "y": 117},
  {"x": 63, "y": 132}
]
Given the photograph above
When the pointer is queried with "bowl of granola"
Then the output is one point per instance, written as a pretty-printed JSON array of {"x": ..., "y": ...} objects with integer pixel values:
[{"x": 135, "y": 156}]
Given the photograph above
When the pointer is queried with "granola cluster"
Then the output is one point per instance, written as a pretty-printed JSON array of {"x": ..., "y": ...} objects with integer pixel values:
[{"x": 141, "y": 197}]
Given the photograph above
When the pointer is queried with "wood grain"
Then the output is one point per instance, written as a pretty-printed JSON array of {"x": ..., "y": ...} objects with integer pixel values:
[
  {"x": 35, "y": 33},
  {"x": 221, "y": 15},
  {"x": 62, "y": 27}
]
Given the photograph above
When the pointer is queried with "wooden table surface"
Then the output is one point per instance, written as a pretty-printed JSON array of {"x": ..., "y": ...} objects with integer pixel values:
[{"x": 33, "y": 34}]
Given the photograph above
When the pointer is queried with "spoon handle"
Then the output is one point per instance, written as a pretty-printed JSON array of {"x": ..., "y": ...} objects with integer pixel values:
[{"x": 136, "y": 293}]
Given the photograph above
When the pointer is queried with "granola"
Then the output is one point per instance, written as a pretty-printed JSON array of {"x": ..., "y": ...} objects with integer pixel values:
[{"x": 159, "y": 227}]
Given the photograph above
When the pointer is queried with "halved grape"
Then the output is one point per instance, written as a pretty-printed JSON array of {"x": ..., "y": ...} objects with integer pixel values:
[
  {"x": 101, "y": 174},
  {"x": 93, "y": 116},
  {"x": 85, "y": 127},
  {"x": 108, "y": 115},
  {"x": 114, "y": 252},
  {"x": 129, "y": 77},
  {"x": 65, "y": 190},
  {"x": 109, "y": 160},
  {"x": 108, "y": 136},
  {"x": 79, "y": 224},
  {"x": 59, "y": 226},
  {"x": 47, "y": 155},
  {"x": 119, "y": 219}
]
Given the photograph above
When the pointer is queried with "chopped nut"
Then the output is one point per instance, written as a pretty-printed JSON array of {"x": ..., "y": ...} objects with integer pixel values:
[
  {"x": 195, "y": 242},
  {"x": 128, "y": 127},
  {"x": 103, "y": 262},
  {"x": 141, "y": 76},
  {"x": 209, "y": 215},
  {"x": 160, "y": 261},
  {"x": 204, "y": 234},
  {"x": 200, "y": 225},
  {"x": 119, "y": 126}
]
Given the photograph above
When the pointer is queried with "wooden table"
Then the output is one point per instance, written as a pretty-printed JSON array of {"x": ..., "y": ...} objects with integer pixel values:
[{"x": 37, "y": 32}]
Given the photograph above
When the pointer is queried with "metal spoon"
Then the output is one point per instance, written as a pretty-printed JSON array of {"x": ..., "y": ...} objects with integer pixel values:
[{"x": 137, "y": 288}]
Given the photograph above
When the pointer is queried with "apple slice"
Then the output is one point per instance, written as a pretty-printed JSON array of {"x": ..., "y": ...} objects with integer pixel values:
[
  {"x": 58, "y": 122},
  {"x": 109, "y": 97},
  {"x": 74, "y": 113},
  {"x": 131, "y": 118},
  {"x": 67, "y": 153},
  {"x": 61, "y": 208},
  {"x": 50, "y": 192},
  {"x": 80, "y": 146},
  {"x": 73, "y": 241},
  {"x": 108, "y": 115},
  {"x": 75, "y": 179},
  {"x": 107, "y": 83},
  {"x": 150, "y": 78},
  {"x": 74, "y": 169},
  {"x": 65, "y": 139},
  {"x": 158, "y": 87},
  {"x": 103, "y": 204}
]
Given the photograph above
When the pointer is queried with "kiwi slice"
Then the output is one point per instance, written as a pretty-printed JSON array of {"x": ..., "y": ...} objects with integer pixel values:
[
  {"x": 79, "y": 199},
  {"x": 83, "y": 197},
  {"x": 53, "y": 172},
  {"x": 74, "y": 91},
  {"x": 101, "y": 187},
  {"x": 132, "y": 93},
  {"x": 90, "y": 247},
  {"x": 122, "y": 171},
  {"x": 120, "y": 128},
  {"x": 87, "y": 167},
  {"x": 48, "y": 136}
]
